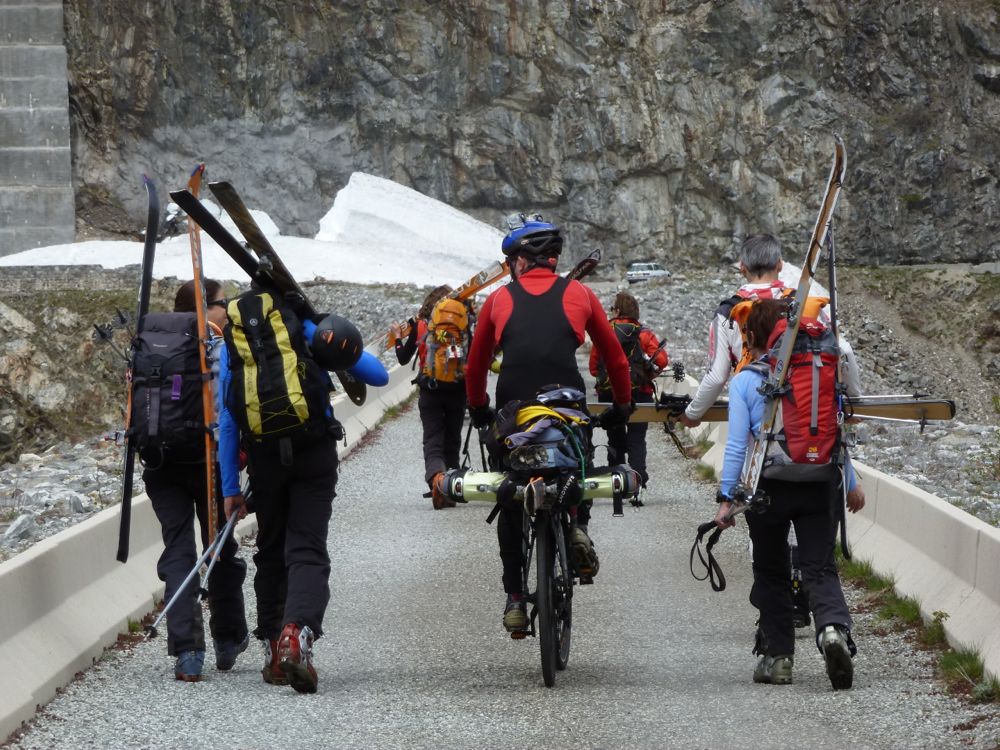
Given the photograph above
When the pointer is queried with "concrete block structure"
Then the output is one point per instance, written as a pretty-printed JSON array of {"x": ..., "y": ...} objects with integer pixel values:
[{"x": 36, "y": 180}]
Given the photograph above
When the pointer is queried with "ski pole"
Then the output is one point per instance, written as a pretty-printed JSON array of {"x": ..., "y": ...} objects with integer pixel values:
[
  {"x": 223, "y": 536},
  {"x": 213, "y": 547}
]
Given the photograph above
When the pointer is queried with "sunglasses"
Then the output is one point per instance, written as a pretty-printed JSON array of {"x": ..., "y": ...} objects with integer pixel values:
[{"x": 218, "y": 303}]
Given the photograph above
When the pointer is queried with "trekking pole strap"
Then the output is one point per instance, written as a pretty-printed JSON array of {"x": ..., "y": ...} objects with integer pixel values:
[{"x": 713, "y": 572}]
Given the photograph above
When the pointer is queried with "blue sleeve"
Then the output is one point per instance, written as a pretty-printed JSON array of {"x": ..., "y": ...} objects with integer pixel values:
[
  {"x": 746, "y": 408},
  {"x": 229, "y": 432},
  {"x": 308, "y": 330},
  {"x": 849, "y": 474}
]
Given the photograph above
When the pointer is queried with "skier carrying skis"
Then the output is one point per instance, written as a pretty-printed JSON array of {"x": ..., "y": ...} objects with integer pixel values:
[
  {"x": 765, "y": 272},
  {"x": 761, "y": 265},
  {"x": 806, "y": 505},
  {"x": 647, "y": 358},
  {"x": 441, "y": 401},
  {"x": 175, "y": 483},
  {"x": 539, "y": 320},
  {"x": 287, "y": 427}
]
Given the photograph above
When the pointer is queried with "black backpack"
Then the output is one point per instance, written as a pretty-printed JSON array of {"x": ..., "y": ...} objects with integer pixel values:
[
  {"x": 638, "y": 365},
  {"x": 278, "y": 394},
  {"x": 167, "y": 420}
]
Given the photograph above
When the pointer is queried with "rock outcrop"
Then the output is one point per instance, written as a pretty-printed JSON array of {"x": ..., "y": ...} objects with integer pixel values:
[{"x": 656, "y": 128}]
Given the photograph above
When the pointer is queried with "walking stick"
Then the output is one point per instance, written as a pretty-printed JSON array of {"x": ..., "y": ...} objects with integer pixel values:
[{"x": 215, "y": 548}]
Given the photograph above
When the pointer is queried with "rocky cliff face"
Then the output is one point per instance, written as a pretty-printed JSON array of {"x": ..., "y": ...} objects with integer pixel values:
[{"x": 666, "y": 128}]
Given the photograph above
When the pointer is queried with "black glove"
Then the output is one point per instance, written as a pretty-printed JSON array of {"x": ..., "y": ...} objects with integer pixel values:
[
  {"x": 616, "y": 416},
  {"x": 481, "y": 416}
]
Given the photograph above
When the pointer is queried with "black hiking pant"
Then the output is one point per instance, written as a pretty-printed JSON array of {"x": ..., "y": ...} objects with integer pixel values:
[
  {"x": 628, "y": 441},
  {"x": 811, "y": 507},
  {"x": 177, "y": 492},
  {"x": 293, "y": 505},
  {"x": 442, "y": 411}
]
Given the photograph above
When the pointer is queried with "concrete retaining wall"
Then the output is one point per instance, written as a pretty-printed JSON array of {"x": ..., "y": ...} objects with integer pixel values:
[
  {"x": 66, "y": 599},
  {"x": 946, "y": 559},
  {"x": 36, "y": 185}
]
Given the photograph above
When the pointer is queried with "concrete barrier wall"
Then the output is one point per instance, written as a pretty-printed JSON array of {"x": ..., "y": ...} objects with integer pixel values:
[
  {"x": 66, "y": 599},
  {"x": 944, "y": 558}
]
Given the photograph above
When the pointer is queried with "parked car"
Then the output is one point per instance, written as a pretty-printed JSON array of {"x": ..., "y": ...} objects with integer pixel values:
[{"x": 644, "y": 270}]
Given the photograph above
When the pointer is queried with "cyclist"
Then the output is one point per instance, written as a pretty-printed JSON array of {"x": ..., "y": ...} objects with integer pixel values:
[{"x": 539, "y": 320}]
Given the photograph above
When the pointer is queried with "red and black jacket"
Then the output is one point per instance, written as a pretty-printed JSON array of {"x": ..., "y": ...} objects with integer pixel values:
[{"x": 539, "y": 320}]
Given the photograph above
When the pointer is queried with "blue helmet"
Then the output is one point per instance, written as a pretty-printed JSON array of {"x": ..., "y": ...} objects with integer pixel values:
[{"x": 531, "y": 236}]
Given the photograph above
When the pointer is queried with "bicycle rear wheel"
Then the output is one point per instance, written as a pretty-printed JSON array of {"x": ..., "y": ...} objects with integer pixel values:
[
  {"x": 563, "y": 588},
  {"x": 553, "y": 598},
  {"x": 545, "y": 596}
]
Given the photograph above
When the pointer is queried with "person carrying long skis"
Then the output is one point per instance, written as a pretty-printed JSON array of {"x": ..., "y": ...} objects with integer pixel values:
[
  {"x": 761, "y": 265},
  {"x": 287, "y": 427},
  {"x": 439, "y": 337},
  {"x": 806, "y": 505},
  {"x": 174, "y": 476},
  {"x": 539, "y": 320},
  {"x": 764, "y": 270}
]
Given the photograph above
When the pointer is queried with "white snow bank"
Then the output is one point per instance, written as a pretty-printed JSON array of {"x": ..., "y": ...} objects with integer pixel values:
[{"x": 377, "y": 232}]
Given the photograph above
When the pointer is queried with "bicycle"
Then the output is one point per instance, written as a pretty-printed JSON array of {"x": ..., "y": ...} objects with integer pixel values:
[{"x": 547, "y": 523}]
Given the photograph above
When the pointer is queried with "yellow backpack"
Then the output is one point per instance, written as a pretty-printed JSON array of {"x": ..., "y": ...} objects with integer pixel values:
[{"x": 445, "y": 342}]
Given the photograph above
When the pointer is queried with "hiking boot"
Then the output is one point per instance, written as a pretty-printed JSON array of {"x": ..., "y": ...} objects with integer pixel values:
[
  {"x": 584, "y": 554},
  {"x": 515, "y": 615},
  {"x": 773, "y": 670},
  {"x": 439, "y": 498},
  {"x": 227, "y": 651},
  {"x": 271, "y": 673},
  {"x": 188, "y": 666},
  {"x": 837, "y": 652},
  {"x": 295, "y": 658}
]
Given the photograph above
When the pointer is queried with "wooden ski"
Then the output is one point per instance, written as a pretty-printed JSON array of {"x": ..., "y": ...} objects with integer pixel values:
[
  {"x": 479, "y": 281},
  {"x": 904, "y": 408},
  {"x": 204, "y": 336}
]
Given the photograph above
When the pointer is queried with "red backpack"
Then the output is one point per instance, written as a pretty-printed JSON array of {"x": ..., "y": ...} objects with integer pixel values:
[{"x": 806, "y": 438}]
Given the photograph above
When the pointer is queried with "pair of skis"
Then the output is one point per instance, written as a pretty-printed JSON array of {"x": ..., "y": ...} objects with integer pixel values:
[
  {"x": 747, "y": 494},
  {"x": 267, "y": 269},
  {"x": 208, "y": 404}
]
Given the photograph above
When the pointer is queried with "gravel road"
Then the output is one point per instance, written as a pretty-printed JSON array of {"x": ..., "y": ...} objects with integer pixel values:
[{"x": 415, "y": 655}]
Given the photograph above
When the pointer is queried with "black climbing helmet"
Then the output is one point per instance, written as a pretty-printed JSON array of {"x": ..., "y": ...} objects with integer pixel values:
[{"x": 337, "y": 344}]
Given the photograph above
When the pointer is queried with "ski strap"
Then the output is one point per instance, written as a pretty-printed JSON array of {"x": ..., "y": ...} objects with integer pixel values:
[{"x": 713, "y": 571}]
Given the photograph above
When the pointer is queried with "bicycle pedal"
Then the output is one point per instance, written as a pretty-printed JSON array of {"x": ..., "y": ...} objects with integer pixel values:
[{"x": 584, "y": 580}]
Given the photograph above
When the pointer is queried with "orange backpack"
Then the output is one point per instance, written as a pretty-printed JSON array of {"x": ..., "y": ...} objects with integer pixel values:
[
  {"x": 444, "y": 360},
  {"x": 741, "y": 311}
]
